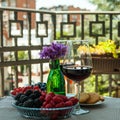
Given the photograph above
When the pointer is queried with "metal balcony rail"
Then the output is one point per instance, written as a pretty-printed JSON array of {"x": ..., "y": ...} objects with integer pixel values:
[{"x": 23, "y": 33}]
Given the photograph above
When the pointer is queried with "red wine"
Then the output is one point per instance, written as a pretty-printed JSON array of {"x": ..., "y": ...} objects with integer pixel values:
[{"x": 76, "y": 73}]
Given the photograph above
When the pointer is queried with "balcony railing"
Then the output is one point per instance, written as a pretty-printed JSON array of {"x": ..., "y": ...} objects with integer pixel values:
[{"x": 23, "y": 33}]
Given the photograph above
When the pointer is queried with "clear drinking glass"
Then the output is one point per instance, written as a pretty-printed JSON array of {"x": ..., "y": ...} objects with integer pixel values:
[{"x": 77, "y": 65}]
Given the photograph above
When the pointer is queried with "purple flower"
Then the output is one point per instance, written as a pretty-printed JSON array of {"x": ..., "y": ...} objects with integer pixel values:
[{"x": 54, "y": 51}]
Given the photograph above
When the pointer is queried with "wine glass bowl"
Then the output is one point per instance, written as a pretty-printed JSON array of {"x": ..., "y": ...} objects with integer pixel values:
[{"x": 77, "y": 64}]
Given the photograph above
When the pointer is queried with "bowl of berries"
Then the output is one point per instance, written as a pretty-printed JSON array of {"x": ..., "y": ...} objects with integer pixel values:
[{"x": 34, "y": 103}]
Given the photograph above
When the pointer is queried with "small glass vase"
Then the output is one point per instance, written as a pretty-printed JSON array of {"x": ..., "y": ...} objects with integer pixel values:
[{"x": 55, "y": 81}]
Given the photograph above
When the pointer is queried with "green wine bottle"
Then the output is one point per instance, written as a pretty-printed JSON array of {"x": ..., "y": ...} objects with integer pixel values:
[{"x": 55, "y": 81}]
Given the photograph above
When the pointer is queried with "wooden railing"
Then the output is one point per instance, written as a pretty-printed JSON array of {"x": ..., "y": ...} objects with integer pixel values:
[{"x": 26, "y": 31}]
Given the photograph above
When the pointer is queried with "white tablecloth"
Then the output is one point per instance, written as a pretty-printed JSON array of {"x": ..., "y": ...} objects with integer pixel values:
[{"x": 108, "y": 110}]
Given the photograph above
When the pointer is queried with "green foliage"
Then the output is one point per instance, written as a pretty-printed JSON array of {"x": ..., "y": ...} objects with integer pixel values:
[
  {"x": 106, "y": 5},
  {"x": 103, "y": 84},
  {"x": 22, "y": 55},
  {"x": 90, "y": 84},
  {"x": 58, "y": 35}
]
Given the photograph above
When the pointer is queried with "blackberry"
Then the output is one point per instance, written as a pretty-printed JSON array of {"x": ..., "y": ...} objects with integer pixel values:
[
  {"x": 28, "y": 103},
  {"x": 23, "y": 98},
  {"x": 20, "y": 104},
  {"x": 28, "y": 92},
  {"x": 32, "y": 96},
  {"x": 17, "y": 97},
  {"x": 37, "y": 93},
  {"x": 17, "y": 103},
  {"x": 37, "y": 103}
]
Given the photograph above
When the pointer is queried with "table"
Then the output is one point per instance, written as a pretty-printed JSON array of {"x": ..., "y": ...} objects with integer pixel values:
[{"x": 109, "y": 110}]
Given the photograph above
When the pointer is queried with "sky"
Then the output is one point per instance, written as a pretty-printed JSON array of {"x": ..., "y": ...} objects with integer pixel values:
[{"x": 77, "y": 3}]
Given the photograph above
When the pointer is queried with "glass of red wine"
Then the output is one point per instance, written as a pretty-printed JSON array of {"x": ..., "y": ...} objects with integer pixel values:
[{"x": 77, "y": 65}]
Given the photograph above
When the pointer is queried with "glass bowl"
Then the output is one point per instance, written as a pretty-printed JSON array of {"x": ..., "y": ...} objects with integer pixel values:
[{"x": 45, "y": 113}]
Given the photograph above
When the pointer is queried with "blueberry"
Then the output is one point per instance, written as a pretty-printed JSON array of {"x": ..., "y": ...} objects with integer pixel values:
[
  {"x": 43, "y": 88},
  {"x": 43, "y": 84},
  {"x": 40, "y": 84}
]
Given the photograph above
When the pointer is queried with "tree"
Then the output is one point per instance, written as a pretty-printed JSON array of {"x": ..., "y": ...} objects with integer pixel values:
[{"x": 106, "y": 5}]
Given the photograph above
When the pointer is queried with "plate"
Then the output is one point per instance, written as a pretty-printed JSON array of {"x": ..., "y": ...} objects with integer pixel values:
[
  {"x": 97, "y": 103},
  {"x": 69, "y": 95}
]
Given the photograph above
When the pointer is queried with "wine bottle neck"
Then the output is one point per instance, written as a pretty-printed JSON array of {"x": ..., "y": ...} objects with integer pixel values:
[{"x": 54, "y": 64}]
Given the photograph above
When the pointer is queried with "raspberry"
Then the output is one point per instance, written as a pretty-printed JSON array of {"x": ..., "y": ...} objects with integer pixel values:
[
  {"x": 48, "y": 98},
  {"x": 48, "y": 106},
  {"x": 59, "y": 105},
  {"x": 43, "y": 93},
  {"x": 52, "y": 103},
  {"x": 68, "y": 103},
  {"x": 28, "y": 87},
  {"x": 74, "y": 100},
  {"x": 57, "y": 99},
  {"x": 63, "y": 97},
  {"x": 16, "y": 91},
  {"x": 51, "y": 94},
  {"x": 24, "y": 89},
  {"x": 36, "y": 87},
  {"x": 55, "y": 115},
  {"x": 13, "y": 92},
  {"x": 44, "y": 104},
  {"x": 41, "y": 98}
]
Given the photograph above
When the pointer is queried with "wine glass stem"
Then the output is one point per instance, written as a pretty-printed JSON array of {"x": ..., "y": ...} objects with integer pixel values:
[
  {"x": 78, "y": 90},
  {"x": 78, "y": 110}
]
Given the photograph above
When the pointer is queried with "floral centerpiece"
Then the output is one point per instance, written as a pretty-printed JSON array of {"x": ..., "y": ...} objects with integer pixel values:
[
  {"x": 54, "y": 51},
  {"x": 55, "y": 81}
]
